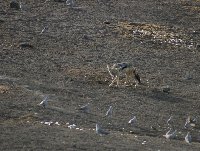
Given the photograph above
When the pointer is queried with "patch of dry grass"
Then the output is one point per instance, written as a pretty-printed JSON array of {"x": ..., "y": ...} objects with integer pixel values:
[
  {"x": 192, "y": 5},
  {"x": 27, "y": 118},
  {"x": 91, "y": 74},
  {"x": 4, "y": 89},
  {"x": 155, "y": 33}
]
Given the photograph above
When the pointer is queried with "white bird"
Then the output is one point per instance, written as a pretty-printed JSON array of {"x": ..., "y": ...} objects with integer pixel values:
[
  {"x": 188, "y": 138},
  {"x": 190, "y": 122},
  {"x": 169, "y": 131},
  {"x": 188, "y": 75},
  {"x": 70, "y": 3},
  {"x": 43, "y": 30},
  {"x": 169, "y": 135},
  {"x": 100, "y": 131},
  {"x": 169, "y": 121},
  {"x": 132, "y": 121},
  {"x": 109, "y": 112},
  {"x": 44, "y": 102},
  {"x": 187, "y": 124},
  {"x": 85, "y": 108}
]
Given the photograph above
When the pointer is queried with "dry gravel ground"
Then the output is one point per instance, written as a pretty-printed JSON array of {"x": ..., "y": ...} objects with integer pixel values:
[{"x": 67, "y": 62}]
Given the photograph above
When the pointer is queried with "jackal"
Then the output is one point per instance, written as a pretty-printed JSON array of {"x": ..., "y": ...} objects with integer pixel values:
[{"x": 125, "y": 68}]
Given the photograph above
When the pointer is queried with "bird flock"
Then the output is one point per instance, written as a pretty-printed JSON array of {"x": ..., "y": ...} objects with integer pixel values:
[{"x": 170, "y": 134}]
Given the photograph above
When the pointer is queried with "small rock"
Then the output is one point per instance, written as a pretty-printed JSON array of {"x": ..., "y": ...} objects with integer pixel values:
[
  {"x": 25, "y": 45},
  {"x": 59, "y": 0},
  {"x": 15, "y": 5},
  {"x": 106, "y": 22},
  {"x": 56, "y": 123},
  {"x": 72, "y": 126},
  {"x": 165, "y": 89},
  {"x": 48, "y": 123}
]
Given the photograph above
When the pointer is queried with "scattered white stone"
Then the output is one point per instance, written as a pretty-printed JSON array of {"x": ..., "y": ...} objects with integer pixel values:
[
  {"x": 144, "y": 142},
  {"x": 48, "y": 123},
  {"x": 72, "y": 126},
  {"x": 56, "y": 123}
]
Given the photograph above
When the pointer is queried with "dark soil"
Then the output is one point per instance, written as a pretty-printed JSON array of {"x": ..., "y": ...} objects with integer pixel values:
[{"x": 50, "y": 49}]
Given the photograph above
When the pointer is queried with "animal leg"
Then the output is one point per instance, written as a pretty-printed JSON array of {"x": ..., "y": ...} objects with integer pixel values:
[
  {"x": 117, "y": 80},
  {"x": 110, "y": 72},
  {"x": 113, "y": 81}
]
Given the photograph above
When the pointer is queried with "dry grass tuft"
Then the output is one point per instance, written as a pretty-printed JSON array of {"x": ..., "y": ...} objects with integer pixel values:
[
  {"x": 28, "y": 118},
  {"x": 89, "y": 74},
  {"x": 4, "y": 89}
]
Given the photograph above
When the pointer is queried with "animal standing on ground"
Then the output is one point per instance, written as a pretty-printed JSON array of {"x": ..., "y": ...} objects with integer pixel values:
[
  {"x": 44, "y": 102},
  {"x": 170, "y": 135},
  {"x": 133, "y": 121},
  {"x": 70, "y": 3},
  {"x": 190, "y": 122},
  {"x": 188, "y": 138},
  {"x": 125, "y": 68},
  {"x": 109, "y": 112},
  {"x": 100, "y": 131},
  {"x": 85, "y": 108},
  {"x": 169, "y": 121}
]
